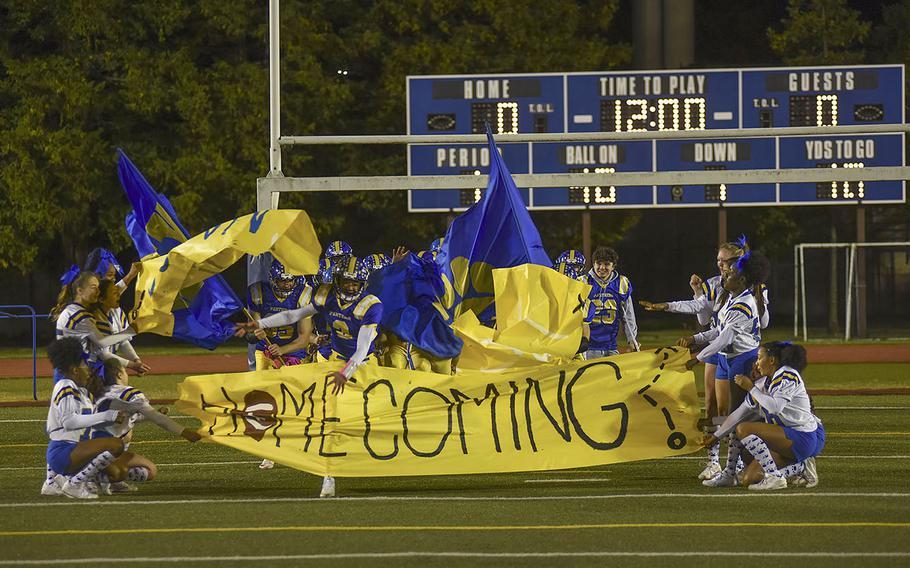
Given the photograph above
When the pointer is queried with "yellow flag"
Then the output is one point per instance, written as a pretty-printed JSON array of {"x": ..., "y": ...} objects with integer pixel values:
[
  {"x": 396, "y": 422},
  {"x": 288, "y": 234}
]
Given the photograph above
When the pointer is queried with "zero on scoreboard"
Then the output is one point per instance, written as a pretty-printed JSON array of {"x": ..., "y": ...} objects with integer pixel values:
[{"x": 676, "y": 100}]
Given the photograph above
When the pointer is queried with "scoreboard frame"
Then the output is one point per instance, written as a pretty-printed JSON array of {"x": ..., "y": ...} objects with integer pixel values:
[{"x": 814, "y": 76}]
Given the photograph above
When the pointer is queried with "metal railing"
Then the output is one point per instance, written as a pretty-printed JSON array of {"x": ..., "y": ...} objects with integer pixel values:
[{"x": 32, "y": 315}]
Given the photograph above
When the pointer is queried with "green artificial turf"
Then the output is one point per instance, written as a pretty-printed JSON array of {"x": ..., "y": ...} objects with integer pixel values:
[{"x": 211, "y": 502}]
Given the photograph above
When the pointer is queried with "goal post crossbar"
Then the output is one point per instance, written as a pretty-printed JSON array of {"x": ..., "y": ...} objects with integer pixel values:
[
  {"x": 267, "y": 186},
  {"x": 799, "y": 280},
  {"x": 318, "y": 140}
]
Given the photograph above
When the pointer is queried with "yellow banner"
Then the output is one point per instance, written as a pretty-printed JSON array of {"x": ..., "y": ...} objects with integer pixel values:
[
  {"x": 539, "y": 315},
  {"x": 392, "y": 422},
  {"x": 287, "y": 233}
]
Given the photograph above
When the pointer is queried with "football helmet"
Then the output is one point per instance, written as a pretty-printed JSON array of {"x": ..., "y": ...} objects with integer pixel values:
[
  {"x": 338, "y": 248},
  {"x": 324, "y": 276},
  {"x": 568, "y": 269},
  {"x": 349, "y": 278},
  {"x": 428, "y": 255},
  {"x": 436, "y": 245},
  {"x": 378, "y": 260},
  {"x": 573, "y": 257},
  {"x": 280, "y": 281}
]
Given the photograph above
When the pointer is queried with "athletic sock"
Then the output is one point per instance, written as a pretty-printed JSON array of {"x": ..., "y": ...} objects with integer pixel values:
[
  {"x": 734, "y": 449},
  {"x": 97, "y": 464},
  {"x": 714, "y": 453},
  {"x": 793, "y": 469},
  {"x": 760, "y": 452},
  {"x": 51, "y": 474},
  {"x": 137, "y": 474}
]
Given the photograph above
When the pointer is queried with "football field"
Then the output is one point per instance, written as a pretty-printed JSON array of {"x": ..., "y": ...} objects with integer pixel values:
[{"x": 212, "y": 505}]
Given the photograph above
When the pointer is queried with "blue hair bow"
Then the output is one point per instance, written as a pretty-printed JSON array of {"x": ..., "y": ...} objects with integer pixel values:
[
  {"x": 743, "y": 244},
  {"x": 70, "y": 275},
  {"x": 107, "y": 260}
]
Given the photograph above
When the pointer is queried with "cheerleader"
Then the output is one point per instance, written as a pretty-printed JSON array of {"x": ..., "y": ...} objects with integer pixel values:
[
  {"x": 709, "y": 297},
  {"x": 103, "y": 263},
  {"x": 789, "y": 434},
  {"x": 74, "y": 317},
  {"x": 74, "y": 461},
  {"x": 109, "y": 320},
  {"x": 116, "y": 394}
]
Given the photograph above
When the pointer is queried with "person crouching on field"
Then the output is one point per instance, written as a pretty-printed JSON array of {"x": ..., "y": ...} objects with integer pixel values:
[
  {"x": 789, "y": 435},
  {"x": 70, "y": 418},
  {"x": 116, "y": 394}
]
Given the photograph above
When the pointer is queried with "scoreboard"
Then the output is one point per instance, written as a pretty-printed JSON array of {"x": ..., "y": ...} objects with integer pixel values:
[{"x": 677, "y": 100}]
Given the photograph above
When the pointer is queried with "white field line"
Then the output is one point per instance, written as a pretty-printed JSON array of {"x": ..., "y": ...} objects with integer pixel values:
[
  {"x": 575, "y": 480},
  {"x": 555, "y": 472},
  {"x": 449, "y": 498},
  {"x": 457, "y": 554}
]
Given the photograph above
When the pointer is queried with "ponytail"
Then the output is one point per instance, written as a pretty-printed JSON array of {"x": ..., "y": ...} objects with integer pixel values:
[{"x": 788, "y": 354}]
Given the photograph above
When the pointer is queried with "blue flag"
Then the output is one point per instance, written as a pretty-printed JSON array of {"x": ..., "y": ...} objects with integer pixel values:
[
  {"x": 496, "y": 232},
  {"x": 155, "y": 229},
  {"x": 409, "y": 290}
]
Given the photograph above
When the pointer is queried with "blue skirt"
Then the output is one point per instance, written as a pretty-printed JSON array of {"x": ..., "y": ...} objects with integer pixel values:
[
  {"x": 806, "y": 444},
  {"x": 728, "y": 366},
  {"x": 58, "y": 455}
]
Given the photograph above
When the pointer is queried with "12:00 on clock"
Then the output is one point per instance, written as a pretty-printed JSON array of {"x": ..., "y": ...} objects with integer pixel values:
[{"x": 639, "y": 115}]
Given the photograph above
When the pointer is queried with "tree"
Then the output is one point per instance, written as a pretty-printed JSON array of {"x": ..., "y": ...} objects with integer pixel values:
[
  {"x": 182, "y": 87},
  {"x": 821, "y": 32}
]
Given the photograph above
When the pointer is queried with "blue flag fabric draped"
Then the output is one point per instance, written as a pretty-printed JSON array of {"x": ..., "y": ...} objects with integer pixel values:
[
  {"x": 409, "y": 290},
  {"x": 155, "y": 229},
  {"x": 496, "y": 232}
]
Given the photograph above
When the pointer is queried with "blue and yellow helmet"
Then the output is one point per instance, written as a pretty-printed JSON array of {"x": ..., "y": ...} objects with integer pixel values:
[
  {"x": 568, "y": 269},
  {"x": 378, "y": 260},
  {"x": 324, "y": 275},
  {"x": 338, "y": 248},
  {"x": 573, "y": 257},
  {"x": 350, "y": 270},
  {"x": 281, "y": 282},
  {"x": 436, "y": 245},
  {"x": 428, "y": 255}
]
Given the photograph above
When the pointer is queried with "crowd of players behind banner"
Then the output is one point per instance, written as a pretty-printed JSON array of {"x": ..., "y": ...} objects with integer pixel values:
[{"x": 755, "y": 396}]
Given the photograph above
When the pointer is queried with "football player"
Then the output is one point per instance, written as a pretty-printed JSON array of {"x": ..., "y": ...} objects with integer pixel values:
[
  {"x": 352, "y": 317},
  {"x": 611, "y": 295}
]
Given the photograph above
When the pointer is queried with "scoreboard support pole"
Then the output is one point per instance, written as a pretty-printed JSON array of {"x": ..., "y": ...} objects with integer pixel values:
[
  {"x": 721, "y": 226},
  {"x": 586, "y": 233},
  {"x": 861, "y": 329}
]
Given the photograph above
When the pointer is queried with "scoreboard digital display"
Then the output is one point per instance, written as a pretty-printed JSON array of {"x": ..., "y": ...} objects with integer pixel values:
[{"x": 678, "y": 100}]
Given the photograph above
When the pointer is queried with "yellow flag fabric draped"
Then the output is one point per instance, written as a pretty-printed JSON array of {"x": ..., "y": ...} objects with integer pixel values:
[
  {"x": 392, "y": 422},
  {"x": 288, "y": 234},
  {"x": 539, "y": 315}
]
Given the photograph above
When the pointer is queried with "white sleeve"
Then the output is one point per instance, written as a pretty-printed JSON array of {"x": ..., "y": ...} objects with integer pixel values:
[
  {"x": 365, "y": 338},
  {"x": 104, "y": 355},
  {"x": 75, "y": 421},
  {"x": 706, "y": 336},
  {"x": 129, "y": 352},
  {"x": 628, "y": 319},
  {"x": 695, "y": 306},
  {"x": 287, "y": 317},
  {"x": 161, "y": 420},
  {"x": 87, "y": 326},
  {"x": 724, "y": 338},
  {"x": 744, "y": 413},
  {"x": 775, "y": 400}
]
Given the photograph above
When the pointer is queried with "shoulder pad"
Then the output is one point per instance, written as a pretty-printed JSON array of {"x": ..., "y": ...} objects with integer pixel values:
[
  {"x": 322, "y": 294},
  {"x": 365, "y": 304}
]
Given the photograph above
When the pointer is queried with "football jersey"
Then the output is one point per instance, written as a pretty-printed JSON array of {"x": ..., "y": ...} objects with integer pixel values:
[
  {"x": 77, "y": 321},
  {"x": 114, "y": 321},
  {"x": 607, "y": 298},
  {"x": 739, "y": 317},
  {"x": 262, "y": 300},
  {"x": 344, "y": 320},
  {"x": 783, "y": 400},
  {"x": 67, "y": 398},
  {"x": 126, "y": 395}
]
